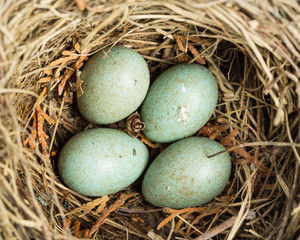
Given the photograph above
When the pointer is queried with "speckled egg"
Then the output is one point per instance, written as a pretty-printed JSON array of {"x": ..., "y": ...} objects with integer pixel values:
[
  {"x": 179, "y": 102},
  {"x": 115, "y": 83},
  {"x": 101, "y": 161},
  {"x": 183, "y": 176}
]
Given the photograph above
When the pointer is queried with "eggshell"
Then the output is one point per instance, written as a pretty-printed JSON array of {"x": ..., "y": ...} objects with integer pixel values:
[
  {"x": 101, "y": 161},
  {"x": 179, "y": 102},
  {"x": 183, "y": 176},
  {"x": 115, "y": 83}
]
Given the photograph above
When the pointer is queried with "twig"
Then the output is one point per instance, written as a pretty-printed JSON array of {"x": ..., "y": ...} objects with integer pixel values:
[
  {"x": 76, "y": 231},
  {"x": 20, "y": 185},
  {"x": 107, "y": 211},
  {"x": 272, "y": 160},
  {"x": 67, "y": 224},
  {"x": 148, "y": 142},
  {"x": 172, "y": 229},
  {"x": 256, "y": 153},
  {"x": 175, "y": 212},
  {"x": 280, "y": 144},
  {"x": 32, "y": 137},
  {"x": 180, "y": 39},
  {"x": 196, "y": 220},
  {"x": 56, "y": 124},
  {"x": 126, "y": 210},
  {"x": 288, "y": 208},
  {"x": 223, "y": 226}
]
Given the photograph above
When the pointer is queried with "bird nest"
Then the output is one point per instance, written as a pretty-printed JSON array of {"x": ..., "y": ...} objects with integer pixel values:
[{"x": 253, "y": 49}]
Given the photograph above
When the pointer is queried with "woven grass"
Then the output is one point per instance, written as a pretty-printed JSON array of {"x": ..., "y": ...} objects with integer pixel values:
[{"x": 253, "y": 49}]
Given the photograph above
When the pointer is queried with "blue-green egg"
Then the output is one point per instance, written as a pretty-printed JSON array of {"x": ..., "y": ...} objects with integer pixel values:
[
  {"x": 115, "y": 83},
  {"x": 179, "y": 102},
  {"x": 183, "y": 176},
  {"x": 101, "y": 161}
]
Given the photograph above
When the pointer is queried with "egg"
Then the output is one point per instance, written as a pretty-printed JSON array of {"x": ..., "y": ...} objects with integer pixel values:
[
  {"x": 114, "y": 84},
  {"x": 179, "y": 102},
  {"x": 101, "y": 161},
  {"x": 183, "y": 176}
]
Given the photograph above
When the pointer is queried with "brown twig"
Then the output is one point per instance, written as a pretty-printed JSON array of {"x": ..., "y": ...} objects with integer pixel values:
[
  {"x": 214, "y": 131},
  {"x": 180, "y": 40},
  {"x": 288, "y": 208},
  {"x": 42, "y": 136},
  {"x": 67, "y": 224},
  {"x": 30, "y": 140},
  {"x": 251, "y": 144},
  {"x": 148, "y": 142},
  {"x": 256, "y": 153},
  {"x": 175, "y": 212},
  {"x": 272, "y": 160},
  {"x": 23, "y": 191},
  {"x": 223, "y": 226},
  {"x": 107, "y": 211},
  {"x": 227, "y": 141},
  {"x": 76, "y": 231},
  {"x": 196, "y": 220},
  {"x": 69, "y": 73}
]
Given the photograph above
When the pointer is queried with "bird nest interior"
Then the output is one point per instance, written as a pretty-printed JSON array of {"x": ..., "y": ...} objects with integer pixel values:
[{"x": 252, "y": 48}]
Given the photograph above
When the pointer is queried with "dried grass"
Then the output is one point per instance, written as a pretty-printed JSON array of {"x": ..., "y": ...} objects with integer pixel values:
[{"x": 253, "y": 47}]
